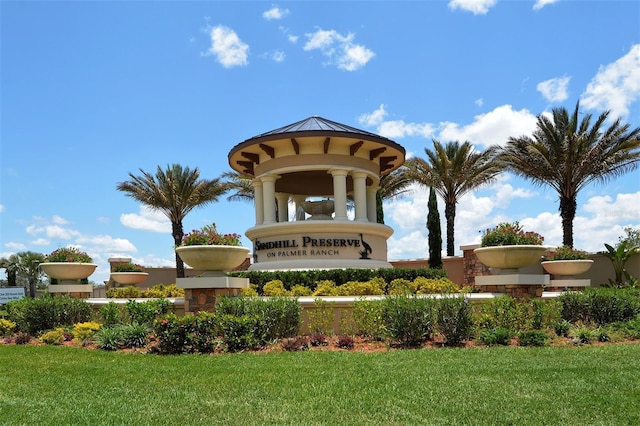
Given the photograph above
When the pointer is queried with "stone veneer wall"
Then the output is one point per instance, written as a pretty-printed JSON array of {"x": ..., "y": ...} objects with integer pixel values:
[
  {"x": 205, "y": 299},
  {"x": 472, "y": 266}
]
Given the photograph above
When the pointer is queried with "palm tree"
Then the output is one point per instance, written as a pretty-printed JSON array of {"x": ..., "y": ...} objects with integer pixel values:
[
  {"x": 240, "y": 184},
  {"x": 29, "y": 266},
  {"x": 453, "y": 169},
  {"x": 567, "y": 154},
  {"x": 392, "y": 185},
  {"x": 175, "y": 192},
  {"x": 10, "y": 265}
]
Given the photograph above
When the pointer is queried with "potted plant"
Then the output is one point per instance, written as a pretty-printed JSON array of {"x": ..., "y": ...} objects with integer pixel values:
[
  {"x": 508, "y": 246},
  {"x": 567, "y": 261},
  {"x": 128, "y": 273},
  {"x": 209, "y": 250},
  {"x": 68, "y": 264}
]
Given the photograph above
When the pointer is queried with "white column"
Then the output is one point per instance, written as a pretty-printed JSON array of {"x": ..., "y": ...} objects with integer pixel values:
[
  {"x": 258, "y": 200},
  {"x": 360, "y": 195},
  {"x": 283, "y": 207},
  {"x": 372, "y": 211},
  {"x": 269, "y": 194},
  {"x": 298, "y": 199},
  {"x": 339, "y": 193}
]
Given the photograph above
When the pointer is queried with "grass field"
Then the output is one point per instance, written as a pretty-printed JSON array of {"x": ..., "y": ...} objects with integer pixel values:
[{"x": 507, "y": 385}]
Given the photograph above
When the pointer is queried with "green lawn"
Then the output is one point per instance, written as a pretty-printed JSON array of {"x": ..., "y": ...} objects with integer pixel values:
[{"x": 507, "y": 385}]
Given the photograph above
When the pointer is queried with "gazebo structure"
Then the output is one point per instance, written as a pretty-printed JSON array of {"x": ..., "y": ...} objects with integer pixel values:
[{"x": 305, "y": 178}]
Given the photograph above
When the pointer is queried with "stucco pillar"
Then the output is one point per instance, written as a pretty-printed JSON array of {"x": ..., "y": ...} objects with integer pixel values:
[
  {"x": 269, "y": 194},
  {"x": 297, "y": 200},
  {"x": 283, "y": 207},
  {"x": 360, "y": 195},
  {"x": 258, "y": 200},
  {"x": 339, "y": 193},
  {"x": 372, "y": 211}
]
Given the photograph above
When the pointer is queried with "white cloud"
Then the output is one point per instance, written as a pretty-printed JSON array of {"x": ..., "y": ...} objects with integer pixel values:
[
  {"x": 1, "y": 208},
  {"x": 338, "y": 49},
  {"x": 278, "y": 56},
  {"x": 41, "y": 242},
  {"x": 542, "y": 3},
  {"x": 394, "y": 128},
  {"x": 107, "y": 243},
  {"x": 59, "y": 220},
  {"x": 494, "y": 127},
  {"x": 227, "y": 47},
  {"x": 15, "y": 246},
  {"x": 292, "y": 38},
  {"x": 275, "y": 13},
  {"x": 554, "y": 89},
  {"x": 615, "y": 86},
  {"x": 477, "y": 7},
  {"x": 146, "y": 220},
  {"x": 479, "y": 102}
]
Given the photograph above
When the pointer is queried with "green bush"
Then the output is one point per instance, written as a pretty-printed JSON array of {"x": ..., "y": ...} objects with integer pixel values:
[
  {"x": 453, "y": 319},
  {"x": 128, "y": 292},
  {"x": 160, "y": 291},
  {"x": 401, "y": 286},
  {"x": 300, "y": 290},
  {"x": 6, "y": 327},
  {"x": 274, "y": 288},
  {"x": 134, "y": 335},
  {"x": 326, "y": 288},
  {"x": 321, "y": 317},
  {"x": 112, "y": 314},
  {"x": 241, "y": 333},
  {"x": 84, "y": 331},
  {"x": 422, "y": 285},
  {"x": 109, "y": 338},
  {"x": 172, "y": 334},
  {"x": 561, "y": 328},
  {"x": 34, "y": 316},
  {"x": 504, "y": 312},
  {"x": 532, "y": 338},
  {"x": 146, "y": 312},
  {"x": 408, "y": 319},
  {"x": 279, "y": 316},
  {"x": 368, "y": 316},
  {"x": 53, "y": 337},
  {"x": 600, "y": 305},
  {"x": 496, "y": 336},
  {"x": 582, "y": 334}
]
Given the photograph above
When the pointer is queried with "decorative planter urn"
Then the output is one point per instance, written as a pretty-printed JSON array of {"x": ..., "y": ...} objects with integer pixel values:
[
  {"x": 213, "y": 258},
  {"x": 129, "y": 278},
  {"x": 509, "y": 257},
  {"x": 319, "y": 210},
  {"x": 68, "y": 271},
  {"x": 567, "y": 267}
]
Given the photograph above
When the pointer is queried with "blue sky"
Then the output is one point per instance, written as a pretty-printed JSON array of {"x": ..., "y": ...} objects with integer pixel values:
[{"x": 91, "y": 91}]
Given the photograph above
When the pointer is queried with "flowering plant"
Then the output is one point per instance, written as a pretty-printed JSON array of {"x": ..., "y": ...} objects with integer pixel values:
[
  {"x": 510, "y": 234},
  {"x": 69, "y": 254},
  {"x": 209, "y": 236},
  {"x": 127, "y": 267},
  {"x": 567, "y": 253}
]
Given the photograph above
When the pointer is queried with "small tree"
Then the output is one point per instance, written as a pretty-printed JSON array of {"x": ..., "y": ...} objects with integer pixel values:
[{"x": 435, "y": 233}]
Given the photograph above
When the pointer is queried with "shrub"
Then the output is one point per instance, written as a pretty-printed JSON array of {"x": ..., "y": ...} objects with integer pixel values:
[
  {"x": 496, "y": 336},
  {"x": 204, "y": 333},
  {"x": 161, "y": 291},
  {"x": 109, "y": 338},
  {"x": 128, "y": 292},
  {"x": 240, "y": 333},
  {"x": 318, "y": 339},
  {"x": 146, "y": 312},
  {"x": 208, "y": 235},
  {"x": 295, "y": 344},
  {"x": 321, "y": 317},
  {"x": 6, "y": 327},
  {"x": 326, "y": 288},
  {"x": 453, "y": 319},
  {"x": 127, "y": 267},
  {"x": 608, "y": 305},
  {"x": 300, "y": 290},
  {"x": 504, "y": 312},
  {"x": 408, "y": 319},
  {"x": 582, "y": 335},
  {"x": 375, "y": 286},
  {"x": 508, "y": 234},
  {"x": 401, "y": 286},
  {"x": 22, "y": 338},
  {"x": 34, "y": 316},
  {"x": 422, "y": 285},
  {"x": 68, "y": 254},
  {"x": 84, "y": 331},
  {"x": 250, "y": 291},
  {"x": 275, "y": 288},
  {"x": 575, "y": 306},
  {"x": 279, "y": 316},
  {"x": 567, "y": 253},
  {"x": 532, "y": 338},
  {"x": 134, "y": 335},
  {"x": 561, "y": 328},
  {"x": 171, "y": 334},
  {"x": 345, "y": 342},
  {"x": 53, "y": 337},
  {"x": 368, "y": 316},
  {"x": 112, "y": 314}
]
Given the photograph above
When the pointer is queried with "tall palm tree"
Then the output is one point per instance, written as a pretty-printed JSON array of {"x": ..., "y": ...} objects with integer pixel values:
[
  {"x": 240, "y": 184},
  {"x": 29, "y": 266},
  {"x": 568, "y": 153},
  {"x": 10, "y": 265},
  {"x": 453, "y": 169},
  {"x": 174, "y": 191},
  {"x": 393, "y": 185}
]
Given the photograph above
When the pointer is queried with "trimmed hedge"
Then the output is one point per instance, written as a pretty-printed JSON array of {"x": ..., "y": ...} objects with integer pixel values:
[
  {"x": 601, "y": 305},
  {"x": 34, "y": 316},
  {"x": 309, "y": 278}
]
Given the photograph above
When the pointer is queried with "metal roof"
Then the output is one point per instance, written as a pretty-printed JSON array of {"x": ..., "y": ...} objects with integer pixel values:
[{"x": 316, "y": 123}]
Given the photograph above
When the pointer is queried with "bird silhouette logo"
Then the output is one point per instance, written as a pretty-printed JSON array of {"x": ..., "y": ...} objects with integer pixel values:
[{"x": 364, "y": 254}]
